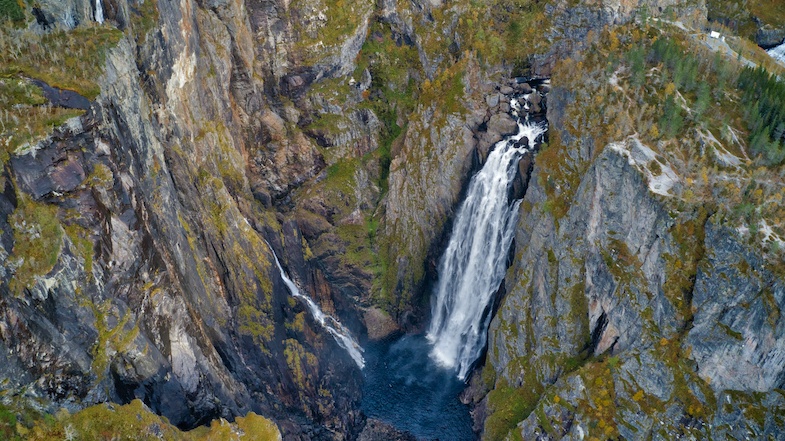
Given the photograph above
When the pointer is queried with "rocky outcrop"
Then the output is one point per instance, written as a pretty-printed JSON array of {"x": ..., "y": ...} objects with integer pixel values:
[
  {"x": 628, "y": 312},
  {"x": 737, "y": 335},
  {"x": 599, "y": 280},
  {"x": 768, "y": 37}
]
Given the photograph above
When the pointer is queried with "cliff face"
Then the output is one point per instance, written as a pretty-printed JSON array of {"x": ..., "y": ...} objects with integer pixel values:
[
  {"x": 137, "y": 238},
  {"x": 163, "y": 287},
  {"x": 635, "y": 306}
]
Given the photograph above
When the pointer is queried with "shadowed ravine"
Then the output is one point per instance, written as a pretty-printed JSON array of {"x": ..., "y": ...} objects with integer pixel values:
[{"x": 414, "y": 382}]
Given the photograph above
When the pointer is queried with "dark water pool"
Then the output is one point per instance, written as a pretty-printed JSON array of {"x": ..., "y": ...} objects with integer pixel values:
[{"x": 406, "y": 389}]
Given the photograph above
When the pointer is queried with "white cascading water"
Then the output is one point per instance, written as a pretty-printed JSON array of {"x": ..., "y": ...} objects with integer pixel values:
[
  {"x": 778, "y": 53},
  {"x": 99, "y": 12},
  {"x": 474, "y": 263},
  {"x": 328, "y": 322}
]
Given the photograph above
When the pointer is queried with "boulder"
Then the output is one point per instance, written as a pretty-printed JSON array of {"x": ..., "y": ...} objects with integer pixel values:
[
  {"x": 768, "y": 37},
  {"x": 523, "y": 88},
  {"x": 492, "y": 100},
  {"x": 502, "y": 124}
]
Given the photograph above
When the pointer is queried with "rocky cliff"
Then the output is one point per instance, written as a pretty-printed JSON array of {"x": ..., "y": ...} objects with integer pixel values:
[
  {"x": 153, "y": 212},
  {"x": 153, "y": 164},
  {"x": 637, "y": 304}
]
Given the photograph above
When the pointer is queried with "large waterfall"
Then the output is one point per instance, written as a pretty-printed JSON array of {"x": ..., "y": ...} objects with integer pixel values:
[
  {"x": 328, "y": 322},
  {"x": 473, "y": 265},
  {"x": 99, "y": 12}
]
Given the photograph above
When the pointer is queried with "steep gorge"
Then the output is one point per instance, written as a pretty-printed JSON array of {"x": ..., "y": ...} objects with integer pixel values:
[{"x": 341, "y": 138}]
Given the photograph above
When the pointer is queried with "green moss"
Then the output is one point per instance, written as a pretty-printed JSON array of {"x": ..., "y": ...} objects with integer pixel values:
[
  {"x": 110, "y": 340},
  {"x": 83, "y": 246},
  {"x": 8, "y": 424},
  {"x": 255, "y": 323},
  {"x": 101, "y": 177},
  {"x": 508, "y": 406},
  {"x": 328, "y": 122},
  {"x": 25, "y": 120},
  {"x": 134, "y": 421},
  {"x": 19, "y": 92},
  {"x": 544, "y": 421},
  {"x": 192, "y": 243},
  {"x": 38, "y": 239},
  {"x": 729, "y": 331},
  {"x": 504, "y": 31},
  {"x": 341, "y": 19},
  {"x": 447, "y": 90},
  {"x": 684, "y": 373},
  {"x": 300, "y": 363},
  {"x": 579, "y": 308},
  {"x": 598, "y": 403}
]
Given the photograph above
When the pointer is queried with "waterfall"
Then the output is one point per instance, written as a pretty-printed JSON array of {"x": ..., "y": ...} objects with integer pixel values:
[
  {"x": 328, "y": 322},
  {"x": 778, "y": 53},
  {"x": 99, "y": 12},
  {"x": 473, "y": 265}
]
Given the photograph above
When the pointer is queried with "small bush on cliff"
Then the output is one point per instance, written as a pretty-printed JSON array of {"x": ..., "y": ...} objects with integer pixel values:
[{"x": 10, "y": 9}]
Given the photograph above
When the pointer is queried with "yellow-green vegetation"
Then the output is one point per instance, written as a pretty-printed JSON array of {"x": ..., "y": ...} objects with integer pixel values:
[
  {"x": 110, "y": 340},
  {"x": 447, "y": 89},
  {"x": 133, "y": 421},
  {"x": 496, "y": 31},
  {"x": 504, "y": 31},
  {"x": 82, "y": 245},
  {"x": 38, "y": 239},
  {"x": 755, "y": 53},
  {"x": 215, "y": 137},
  {"x": 101, "y": 177},
  {"x": 8, "y": 425},
  {"x": 394, "y": 89},
  {"x": 245, "y": 253},
  {"x": 66, "y": 59},
  {"x": 510, "y": 405},
  {"x": 302, "y": 366},
  {"x": 337, "y": 189},
  {"x": 680, "y": 269},
  {"x": 144, "y": 17},
  {"x": 656, "y": 84},
  {"x": 327, "y": 23},
  {"x": 598, "y": 403},
  {"x": 677, "y": 359},
  {"x": 25, "y": 119}
]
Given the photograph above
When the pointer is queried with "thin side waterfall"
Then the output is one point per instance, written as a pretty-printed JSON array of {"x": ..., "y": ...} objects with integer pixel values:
[
  {"x": 778, "y": 53},
  {"x": 328, "y": 322},
  {"x": 473, "y": 265},
  {"x": 99, "y": 12}
]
